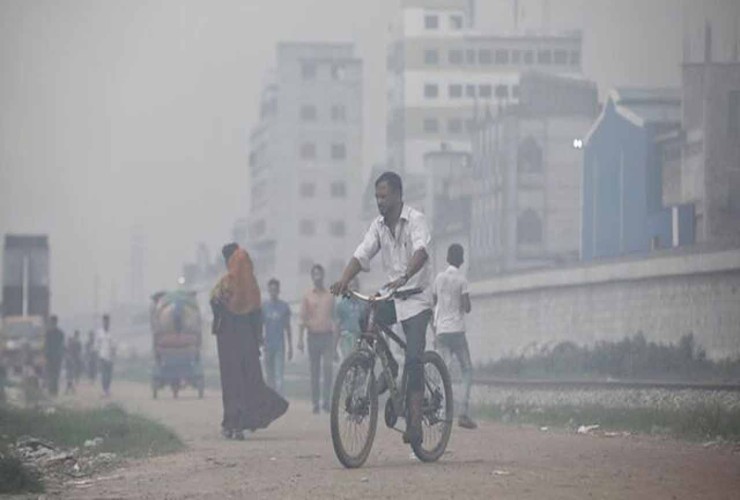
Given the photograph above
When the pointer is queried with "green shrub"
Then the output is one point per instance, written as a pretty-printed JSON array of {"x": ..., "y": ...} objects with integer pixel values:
[{"x": 630, "y": 358}]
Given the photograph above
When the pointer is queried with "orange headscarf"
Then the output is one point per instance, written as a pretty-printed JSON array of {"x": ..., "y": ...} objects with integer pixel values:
[{"x": 238, "y": 288}]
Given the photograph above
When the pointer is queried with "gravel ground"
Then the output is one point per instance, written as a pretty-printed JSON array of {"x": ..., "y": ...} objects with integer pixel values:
[{"x": 658, "y": 399}]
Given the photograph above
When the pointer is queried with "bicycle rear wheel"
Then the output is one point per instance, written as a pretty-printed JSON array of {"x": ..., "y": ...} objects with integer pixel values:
[
  {"x": 437, "y": 409},
  {"x": 354, "y": 409}
]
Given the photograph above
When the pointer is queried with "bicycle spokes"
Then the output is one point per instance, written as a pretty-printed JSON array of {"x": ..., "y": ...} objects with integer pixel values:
[{"x": 437, "y": 409}]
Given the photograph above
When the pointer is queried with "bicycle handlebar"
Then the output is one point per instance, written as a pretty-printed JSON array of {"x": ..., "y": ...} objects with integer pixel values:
[{"x": 387, "y": 296}]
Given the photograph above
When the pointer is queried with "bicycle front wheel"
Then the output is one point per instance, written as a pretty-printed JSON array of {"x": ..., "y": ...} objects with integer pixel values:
[
  {"x": 354, "y": 409},
  {"x": 437, "y": 409}
]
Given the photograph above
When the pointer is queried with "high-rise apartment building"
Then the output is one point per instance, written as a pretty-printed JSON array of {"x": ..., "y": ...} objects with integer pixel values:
[
  {"x": 305, "y": 165},
  {"x": 443, "y": 75}
]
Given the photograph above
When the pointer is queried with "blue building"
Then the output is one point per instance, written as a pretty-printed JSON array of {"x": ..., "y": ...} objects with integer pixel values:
[{"x": 623, "y": 209}]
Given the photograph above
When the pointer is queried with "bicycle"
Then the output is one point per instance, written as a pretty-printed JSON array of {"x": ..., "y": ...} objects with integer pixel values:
[{"x": 354, "y": 406}]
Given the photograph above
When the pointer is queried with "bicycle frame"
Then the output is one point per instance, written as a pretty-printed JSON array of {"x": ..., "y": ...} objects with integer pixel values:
[{"x": 375, "y": 339}]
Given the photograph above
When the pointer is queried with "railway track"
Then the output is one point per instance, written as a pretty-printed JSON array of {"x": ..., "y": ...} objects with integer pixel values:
[{"x": 547, "y": 384}]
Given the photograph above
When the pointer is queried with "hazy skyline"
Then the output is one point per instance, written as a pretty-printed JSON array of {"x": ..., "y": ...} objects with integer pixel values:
[{"x": 121, "y": 116}]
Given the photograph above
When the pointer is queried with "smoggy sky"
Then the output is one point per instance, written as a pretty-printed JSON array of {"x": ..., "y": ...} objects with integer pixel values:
[{"x": 133, "y": 116}]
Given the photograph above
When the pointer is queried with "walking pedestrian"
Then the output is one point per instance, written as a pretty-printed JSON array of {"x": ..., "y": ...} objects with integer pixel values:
[
  {"x": 105, "y": 345},
  {"x": 91, "y": 357},
  {"x": 452, "y": 302},
  {"x": 276, "y": 314},
  {"x": 73, "y": 361},
  {"x": 54, "y": 354},
  {"x": 317, "y": 313},
  {"x": 237, "y": 323}
]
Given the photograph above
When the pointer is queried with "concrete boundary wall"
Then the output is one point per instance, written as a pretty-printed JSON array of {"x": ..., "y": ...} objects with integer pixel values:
[{"x": 663, "y": 297}]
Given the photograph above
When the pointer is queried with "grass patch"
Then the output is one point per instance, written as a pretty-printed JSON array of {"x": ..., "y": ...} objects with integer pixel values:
[
  {"x": 16, "y": 477},
  {"x": 698, "y": 422},
  {"x": 628, "y": 359},
  {"x": 123, "y": 433}
]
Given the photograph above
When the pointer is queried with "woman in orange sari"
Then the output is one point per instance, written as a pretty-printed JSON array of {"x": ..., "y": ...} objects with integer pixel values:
[{"x": 237, "y": 323}]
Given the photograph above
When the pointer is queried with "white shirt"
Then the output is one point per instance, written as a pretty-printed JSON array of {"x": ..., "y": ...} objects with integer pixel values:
[
  {"x": 105, "y": 344},
  {"x": 411, "y": 234},
  {"x": 449, "y": 287}
]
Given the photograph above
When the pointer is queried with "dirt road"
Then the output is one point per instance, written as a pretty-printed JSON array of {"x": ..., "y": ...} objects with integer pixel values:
[{"x": 294, "y": 459}]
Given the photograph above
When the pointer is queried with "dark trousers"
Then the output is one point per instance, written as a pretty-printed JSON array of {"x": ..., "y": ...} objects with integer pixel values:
[
  {"x": 106, "y": 374},
  {"x": 54, "y": 368},
  {"x": 415, "y": 330},
  {"x": 321, "y": 345}
]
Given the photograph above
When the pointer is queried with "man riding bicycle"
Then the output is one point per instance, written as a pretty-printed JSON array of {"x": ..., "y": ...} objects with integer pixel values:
[{"x": 402, "y": 237}]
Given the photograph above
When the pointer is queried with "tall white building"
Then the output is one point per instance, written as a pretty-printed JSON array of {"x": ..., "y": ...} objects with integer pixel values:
[
  {"x": 442, "y": 75},
  {"x": 305, "y": 165}
]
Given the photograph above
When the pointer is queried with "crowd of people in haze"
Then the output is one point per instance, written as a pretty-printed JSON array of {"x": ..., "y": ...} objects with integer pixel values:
[
  {"x": 96, "y": 356},
  {"x": 329, "y": 320},
  {"x": 248, "y": 328}
]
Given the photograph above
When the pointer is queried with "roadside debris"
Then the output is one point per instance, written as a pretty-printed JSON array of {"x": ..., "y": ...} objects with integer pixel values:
[
  {"x": 587, "y": 429},
  {"x": 57, "y": 463},
  {"x": 91, "y": 443}
]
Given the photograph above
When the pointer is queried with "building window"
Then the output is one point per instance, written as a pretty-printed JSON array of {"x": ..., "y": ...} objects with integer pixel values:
[
  {"x": 470, "y": 56},
  {"x": 308, "y": 71},
  {"x": 308, "y": 151},
  {"x": 455, "y": 91},
  {"x": 454, "y": 126},
  {"x": 502, "y": 91},
  {"x": 338, "y": 113},
  {"x": 338, "y": 190},
  {"x": 528, "y": 57},
  {"x": 337, "y": 228},
  {"x": 338, "y": 151},
  {"x": 515, "y": 91},
  {"x": 529, "y": 228},
  {"x": 516, "y": 56},
  {"x": 485, "y": 56},
  {"x": 431, "y": 22},
  {"x": 338, "y": 72},
  {"x": 456, "y": 22},
  {"x": 308, "y": 189},
  {"x": 431, "y": 90},
  {"x": 258, "y": 228},
  {"x": 307, "y": 227},
  {"x": 431, "y": 56},
  {"x": 305, "y": 265},
  {"x": 470, "y": 91},
  {"x": 484, "y": 91},
  {"x": 544, "y": 57},
  {"x": 733, "y": 124},
  {"x": 308, "y": 113},
  {"x": 431, "y": 125},
  {"x": 575, "y": 58},
  {"x": 529, "y": 158},
  {"x": 456, "y": 56},
  {"x": 470, "y": 125},
  {"x": 502, "y": 56},
  {"x": 560, "y": 57}
]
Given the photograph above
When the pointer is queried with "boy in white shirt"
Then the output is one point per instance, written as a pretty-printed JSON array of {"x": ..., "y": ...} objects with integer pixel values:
[{"x": 452, "y": 302}]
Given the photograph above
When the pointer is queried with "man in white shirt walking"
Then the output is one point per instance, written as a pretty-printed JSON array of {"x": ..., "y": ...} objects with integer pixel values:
[
  {"x": 106, "y": 347},
  {"x": 401, "y": 236},
  {"x": 452, "y": 302}
]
